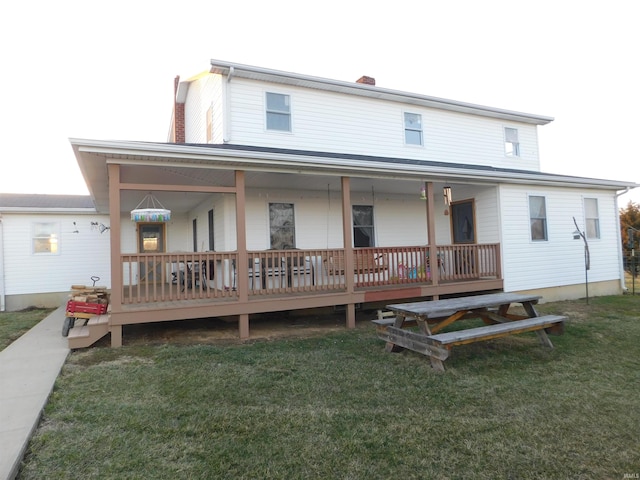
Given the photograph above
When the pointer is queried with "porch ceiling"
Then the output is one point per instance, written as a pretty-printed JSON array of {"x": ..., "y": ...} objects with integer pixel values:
[{"x": 183, "y": 201}]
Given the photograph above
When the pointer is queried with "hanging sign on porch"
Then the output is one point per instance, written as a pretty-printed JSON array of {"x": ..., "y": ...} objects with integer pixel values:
[{"x": 150, "y": 210}]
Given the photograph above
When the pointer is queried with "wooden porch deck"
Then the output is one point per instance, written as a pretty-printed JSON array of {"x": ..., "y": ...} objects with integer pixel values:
[
  {"x": 180, "y": 286},
  {"x": 153, "y": 278}
]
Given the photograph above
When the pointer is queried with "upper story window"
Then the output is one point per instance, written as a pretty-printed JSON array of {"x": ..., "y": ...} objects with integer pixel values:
[
  {"x": 538, "y": 218},
  {"x": 591, "y": 217},
  {"x": 511, "y": 143},
  {"x": 413, "y": 129},
  {"x": 363, "y": 226},
  {"x": 45, "y": 238},
  {"x": 282, "y": 227},
  {"x": 278, "y": 112}
]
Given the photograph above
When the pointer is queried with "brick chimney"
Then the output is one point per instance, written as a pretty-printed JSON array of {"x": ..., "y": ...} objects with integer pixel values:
[
  {"x": 178, "y": 115},
  {"x": 366, "y": 80}
]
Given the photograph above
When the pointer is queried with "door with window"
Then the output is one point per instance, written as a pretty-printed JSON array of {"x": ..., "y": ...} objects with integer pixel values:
[
  {"x": 363, "y": 230},
  {"x": 151, "y": 239},
  {"x": 463, "y": 232}
]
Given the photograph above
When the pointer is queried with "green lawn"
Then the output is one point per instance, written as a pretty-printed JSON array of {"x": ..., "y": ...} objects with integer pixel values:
[
  {"x": 15, "y": 324},
  {"x": 339, "y": 406}
]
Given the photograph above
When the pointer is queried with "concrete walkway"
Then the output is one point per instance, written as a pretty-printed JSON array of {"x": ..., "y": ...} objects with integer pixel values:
[{"x": 28, "y": 369}]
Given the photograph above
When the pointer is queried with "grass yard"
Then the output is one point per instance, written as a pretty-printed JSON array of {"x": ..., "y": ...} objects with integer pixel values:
[
  {"x": 338, "y": 406},
  {"x": 15, "y": 324}
]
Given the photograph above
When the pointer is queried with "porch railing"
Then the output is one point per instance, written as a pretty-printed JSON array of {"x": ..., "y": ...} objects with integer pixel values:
[
  {"x": 212, "y": 275},
  {"x": 165, "y": 277}
]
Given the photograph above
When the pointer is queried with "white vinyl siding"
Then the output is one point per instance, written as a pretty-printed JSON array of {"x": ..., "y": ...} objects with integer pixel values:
[
  {"x": 333, "y": 122},
  {"x": 83, "y": 252},
  {"x": 530, "y": 265},
  {"x": 205, "y": 94}
]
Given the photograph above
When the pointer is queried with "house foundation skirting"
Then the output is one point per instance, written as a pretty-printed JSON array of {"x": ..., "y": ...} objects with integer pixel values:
[
  {"x": 577, "y": 291},
  {"x": 14, "y": 303}
]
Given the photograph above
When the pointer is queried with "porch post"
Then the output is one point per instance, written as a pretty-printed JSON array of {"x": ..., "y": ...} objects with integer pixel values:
[
  {"x": 347, "y": 242},
  {"x": 113, "y": 172},
  {"x": 242, "y": 262},
  {"x": 243, "y": 324},
  {"x": 431, "y": 235}
]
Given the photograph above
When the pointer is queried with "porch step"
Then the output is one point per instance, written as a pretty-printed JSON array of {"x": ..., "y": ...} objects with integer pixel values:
[{"x": 86, "y": 335}]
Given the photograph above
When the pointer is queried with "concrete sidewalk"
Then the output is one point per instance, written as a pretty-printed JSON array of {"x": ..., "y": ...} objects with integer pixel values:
[{"x": 28, "y": 369}]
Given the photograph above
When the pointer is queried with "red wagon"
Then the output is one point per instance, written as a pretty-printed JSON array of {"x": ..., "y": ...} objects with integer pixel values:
[{"x": 77, "y": 309}]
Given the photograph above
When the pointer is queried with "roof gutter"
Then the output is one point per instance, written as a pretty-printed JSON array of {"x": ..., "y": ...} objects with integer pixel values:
[
  {"x": 626, "y": 190},
  {"x": 294, "y": 163}
]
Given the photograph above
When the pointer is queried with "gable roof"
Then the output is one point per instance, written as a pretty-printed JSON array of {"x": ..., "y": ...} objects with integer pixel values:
[
  {"x": 33, "y": 202},
  {"x": 353, "y": 88}
]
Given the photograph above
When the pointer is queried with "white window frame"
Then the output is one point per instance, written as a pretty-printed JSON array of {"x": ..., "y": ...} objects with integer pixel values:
[
  {"x": 511, "y": 144},
  {"x": 45, "y": 238},
  {"x": 543, "y": 219},
  {"x": 286, "y": 233},
  {"x": 358, "y": 227},
  {"x": 591, "y": 219},
  {"x": 410, "y": 129},
  {"x": 278, "y": 112}
]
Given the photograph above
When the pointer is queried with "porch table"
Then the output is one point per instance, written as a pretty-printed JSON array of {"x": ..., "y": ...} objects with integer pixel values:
[{"x": 432, "y": 316}]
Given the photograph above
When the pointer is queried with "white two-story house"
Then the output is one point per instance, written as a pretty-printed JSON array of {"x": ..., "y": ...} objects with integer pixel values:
[{"x": 288, "y": 191}]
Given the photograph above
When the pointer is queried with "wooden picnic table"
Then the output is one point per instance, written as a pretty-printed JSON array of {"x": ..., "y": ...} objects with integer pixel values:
[{"x": 434, "y": 315}]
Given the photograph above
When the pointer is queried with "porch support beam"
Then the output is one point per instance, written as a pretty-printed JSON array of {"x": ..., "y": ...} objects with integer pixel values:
[
  {"x": 243, "y": 323},
  {"x": 347, "y": 242},
  {"x": 113, "y": 172},
  {"x": 177, "y": 188},
  {"x": 116, "y": 335},
  {"x": 431, "y": 235},
  {"x": 242, "y": 262}
]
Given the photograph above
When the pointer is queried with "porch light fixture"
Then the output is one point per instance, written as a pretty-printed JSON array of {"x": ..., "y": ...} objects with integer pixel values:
[
  {"x": 423, "y": 192},
  {"x": 446, "y": 192},
  {"x": 150, "y": 210}
]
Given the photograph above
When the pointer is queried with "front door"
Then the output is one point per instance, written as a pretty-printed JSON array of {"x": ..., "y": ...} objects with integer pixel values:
[
  {"x": 463, "y": 231},
  {"x": 463, "y": 225},
  {"x": 151, "y": 239}
]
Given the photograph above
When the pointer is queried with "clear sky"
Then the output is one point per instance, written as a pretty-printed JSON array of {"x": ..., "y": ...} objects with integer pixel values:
[{"x": 105, "y": 70}]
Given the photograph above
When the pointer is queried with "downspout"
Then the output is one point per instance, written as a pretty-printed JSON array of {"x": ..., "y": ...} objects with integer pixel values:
[
  {"x": 2, "y": 289},
  {"x": 225, "y": 108}
]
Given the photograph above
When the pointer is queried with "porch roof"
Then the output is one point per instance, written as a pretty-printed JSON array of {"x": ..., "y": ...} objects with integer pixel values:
[{"x": 94, "y": 155}]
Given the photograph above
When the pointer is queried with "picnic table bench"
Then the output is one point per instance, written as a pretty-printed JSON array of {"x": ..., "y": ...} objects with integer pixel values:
[{"x": 432, "y": 316}]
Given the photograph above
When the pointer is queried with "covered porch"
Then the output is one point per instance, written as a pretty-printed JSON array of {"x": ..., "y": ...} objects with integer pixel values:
[{"x": 416, "y": 247}]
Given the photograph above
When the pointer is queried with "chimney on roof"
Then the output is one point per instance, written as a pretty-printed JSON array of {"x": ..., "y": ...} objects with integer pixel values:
[
  {"x": 366, "y": 80},
  {"x": 178, "y": 133}
]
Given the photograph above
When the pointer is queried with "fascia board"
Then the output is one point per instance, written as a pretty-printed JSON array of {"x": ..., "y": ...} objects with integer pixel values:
[{"x": 292, "y": 163}]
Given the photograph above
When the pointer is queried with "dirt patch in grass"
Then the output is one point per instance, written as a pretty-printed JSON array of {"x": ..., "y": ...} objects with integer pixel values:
[
  {"x": 220, "y": 330},
  {"x": 294, "y": 324}
]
